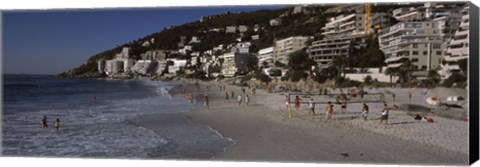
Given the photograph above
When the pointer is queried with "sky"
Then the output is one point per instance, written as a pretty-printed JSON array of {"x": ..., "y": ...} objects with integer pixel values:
[{"x": 53, "y": 41}]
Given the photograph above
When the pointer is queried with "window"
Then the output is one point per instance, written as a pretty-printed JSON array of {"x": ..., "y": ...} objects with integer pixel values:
[
  {"x": 439, "y": 53},
  {"x": 424, "y": 67},
  {"x": 436, "y": 45},
  {"x": 415, "y": 45},
  {"x": 425, "y": 53},
  {"x": 415, "y": 60},
  {"x": 415, "y": 53}
]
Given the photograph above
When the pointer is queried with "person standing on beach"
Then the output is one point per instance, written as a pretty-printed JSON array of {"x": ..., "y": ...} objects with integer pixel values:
[
  {"x": 247, "y": 99},
  {"x": 239, "y": 99},
  {"x": 232, "y": 95},
  {"x": 286, "y": 101},
  {"x": 44, "y": 122},
  {"x": 226, "y": 96},
  {"x": 311, "y": 106},
  {"x": 182, "y": 91},
  {"x": 409, "y": 95},
  {"x": 344, "y": 107},
  {"x": 393, "y": 96},
  {"x": 56, "y": 123},
  {"x": 328, "y": 111},
  {"x": 385, "y": 111},
  {"x": 205, "y": 101},
  {"x": 190, "y": 97},
  {"x": 297, "y": 102},
  {"x": 365, "y": 111}
]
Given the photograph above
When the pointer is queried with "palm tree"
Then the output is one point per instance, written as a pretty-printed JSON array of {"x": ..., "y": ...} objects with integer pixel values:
[
  {"x": 433, "y": 77},
  {"x": 405, "y": 70},
  {"x": 391, "y": 72}
]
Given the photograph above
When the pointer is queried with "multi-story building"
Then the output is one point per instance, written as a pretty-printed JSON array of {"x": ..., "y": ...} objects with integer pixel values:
[
  {"x": 120, "y": 63},
  {"x": 288, "y": 45},
  {"x": 233, "y": 63},
  {"x": 265, "y": 55},
  {"x": 428, "y": 11},
  {"x": 343, "y": 32},
  {"x": 420, "y": 42},
  {"x": 243, "y": 47},
  {"x": 457, "y": 48}
]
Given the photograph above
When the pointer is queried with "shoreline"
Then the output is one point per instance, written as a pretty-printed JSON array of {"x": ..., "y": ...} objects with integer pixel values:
[{"x": 264, "y": 133}]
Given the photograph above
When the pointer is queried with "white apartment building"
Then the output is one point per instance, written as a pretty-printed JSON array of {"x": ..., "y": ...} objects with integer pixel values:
[
  {"x": 120, "y": 63},
  {"x": 288, "y": 45},
  {"x": 420, "y": 42},
  {"x": 457, "y": 47},
  {"x": 340, "y": 33},
  {"x": 429, "y": 10},
  {"x": 265, "y": 55},
  {"x": 228, "y": 65}
]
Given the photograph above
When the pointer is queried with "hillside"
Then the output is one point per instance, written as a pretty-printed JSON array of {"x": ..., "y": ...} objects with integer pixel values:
[{"x": 305, "y": 23}]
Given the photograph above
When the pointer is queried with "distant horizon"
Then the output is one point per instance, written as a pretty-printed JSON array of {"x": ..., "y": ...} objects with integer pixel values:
[{"x": 61, "y": 40}]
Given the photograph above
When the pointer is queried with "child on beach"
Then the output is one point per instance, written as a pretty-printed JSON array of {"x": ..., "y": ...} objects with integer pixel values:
[
  {"x": 56, "y": 123},
  {"x": 344, "y": 107},
  {"x": 286, "y": 101},
  {"x": 205, "y": 101},
  {"x": 182, "y": 91},
  {"x": 226, "y": 96},
  {"x": 239, "y": 99},
  {"x": 365, "y": 111},
  {"x": 311, "y": 106},
  {"x": 297, "y": 102},
  {"x": 190, "y": 97},
  {"x": 44, "y": 122},
  {"x": 328, "y": 111}
]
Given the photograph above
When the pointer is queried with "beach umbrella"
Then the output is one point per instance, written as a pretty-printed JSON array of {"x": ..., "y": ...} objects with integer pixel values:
[{"x": 433, "y": 100}]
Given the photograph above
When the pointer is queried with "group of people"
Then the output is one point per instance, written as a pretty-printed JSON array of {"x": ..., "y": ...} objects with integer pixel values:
[
  {"x": 245, "y": 98},
  {"x": 56, "y": 123},
  {"x": 329, "y": 109}
]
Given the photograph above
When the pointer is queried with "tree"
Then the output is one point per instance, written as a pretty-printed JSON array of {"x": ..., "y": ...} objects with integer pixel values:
[
  {"x": 463, "y": 64},
  {"x": 368, "y": 80},
  {"x": 299, "y": 60},
  {"x": 434, "y": 77},
  {"x": 339, "y": 63},
  {"x": 405, "y": 70},
  {"x": 276, "y": 73},
  {"x": 391, "y": 72}
]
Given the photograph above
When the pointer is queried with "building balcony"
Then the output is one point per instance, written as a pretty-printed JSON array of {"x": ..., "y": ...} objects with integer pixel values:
[
  {"x": 347, "y": 23},
  {"x": 329, "y": 48},
  {"x": 345, "y": 18},
  {"x": 396, "y": 65},
  {"x": 454, "y": 42},
  {"x": 339, "y": 31},
  {"x": 393, "y": 59},
  {"x": 465, "y": 24},
  {"x": 461, "y": 33},
  {"x": 466, "y": 17},
  {"x": 458, "y": 51},
  {"x": 455, "y": 58}
]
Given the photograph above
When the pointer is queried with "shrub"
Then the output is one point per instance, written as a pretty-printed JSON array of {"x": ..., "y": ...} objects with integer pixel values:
[{"x": 454, "y": 78}]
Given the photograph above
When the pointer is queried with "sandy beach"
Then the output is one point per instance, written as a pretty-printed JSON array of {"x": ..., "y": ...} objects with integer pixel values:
[{"x": 264, "y": 133}]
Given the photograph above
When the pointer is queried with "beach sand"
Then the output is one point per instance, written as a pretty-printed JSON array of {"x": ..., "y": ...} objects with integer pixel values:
[{"x": 264, "y": 132}]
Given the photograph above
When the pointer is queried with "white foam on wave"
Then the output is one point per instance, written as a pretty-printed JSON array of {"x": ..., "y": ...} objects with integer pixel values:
[{"x": 103, "y": 129}]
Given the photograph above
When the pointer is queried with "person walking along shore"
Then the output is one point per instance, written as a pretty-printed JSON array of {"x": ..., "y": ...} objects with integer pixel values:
[{"x": 311, "y": 106}]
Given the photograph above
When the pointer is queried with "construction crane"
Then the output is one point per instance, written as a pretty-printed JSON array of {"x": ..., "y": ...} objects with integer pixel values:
[{"x": 368, "y": 19}]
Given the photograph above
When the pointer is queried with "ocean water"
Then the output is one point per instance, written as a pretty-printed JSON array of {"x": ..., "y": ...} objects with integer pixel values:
[{"x": 127, "y": 119}]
